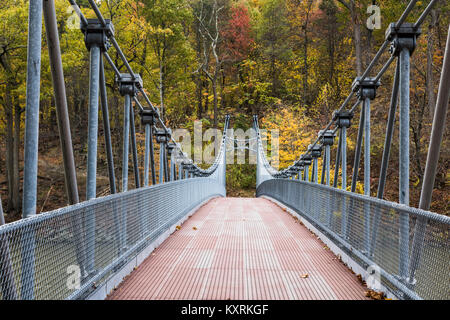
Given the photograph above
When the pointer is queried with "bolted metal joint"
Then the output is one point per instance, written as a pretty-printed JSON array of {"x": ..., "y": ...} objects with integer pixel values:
[
  {"x": 148, "y": 117},
  {"x": 306, "y": 158},
  {"x": 128, "y": 85},
  {"x": 170, "y": 147},
  {"x": 343, "y": 118},
  {"x": 402, "y": 37},
  {"x": 366, "y": 88},
  {"x": 162, "y": 136},
  {"x": 95, "y": 34},
  {"x": 316, "y": 151},
  {"x": 327, "y": 137}
]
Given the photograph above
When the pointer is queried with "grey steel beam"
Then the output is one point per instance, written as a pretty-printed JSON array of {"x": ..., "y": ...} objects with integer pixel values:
[
  {"x": 404, "y": 104},
  {"x": 134, "y": 149},
  {"x": 31, "y": 143},
  {"x": 65, "y": 135},
  {"x": 107, "y": 129},
  {"x": 437, "y": 133}
]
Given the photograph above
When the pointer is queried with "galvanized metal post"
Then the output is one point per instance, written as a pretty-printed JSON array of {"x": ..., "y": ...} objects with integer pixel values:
[
  {"x": 306, "y": 173},
  {"x": 367, "y": 173},
  {"x": 161, "y": 162},
  {"x": 59, "y": 91},
  {"x": 344, "y": 158},
  {"x": 166, "y": 164},
  {"x": 338, "y": 161},
  {"x": 126, "y": 139},
  {"x": 385, "y": 158},
  {"x": 327, "y": 164},
  {"x": 134, "y": 149},
  {"x": 437, "y": 132},
  {"x": 92, "y": 152},
  {"x": 147, "y": 154},
  {"x": 152, "y": 156},
  {"x": 107, "y": 129},
  {"x": 404, "y": 159},
  {"x": 389, "y": 133},
  {"x": 358, "y": 149},
  {"x": 31, "y": 143},
  {"x": 315, "y": 169},
  {"x": 65, "y": 136}
]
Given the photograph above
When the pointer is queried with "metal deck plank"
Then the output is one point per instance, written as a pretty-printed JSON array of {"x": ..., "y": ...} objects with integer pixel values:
[{"x": 237, "y": 248}]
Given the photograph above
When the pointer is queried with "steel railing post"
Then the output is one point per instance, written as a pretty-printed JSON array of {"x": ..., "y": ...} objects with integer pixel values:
[
  {"x": 126, "y": 139},
  {"x": 147, "y": 155},
  {"x": 437, "y": 132},
  {"x": 95, "y": 40},
  {"x": 403, "y": 39},
  {"x": 31, "y": 144},
  {"x": 367, "y": 173},
  {"x": 107, "y": 129},
  {"x": 386, "y": 154},
  {"x": 134, "y": 149},
  {"x": 65, "y": 136},
  {"x": 152, "y": 156},
  {"x": 404, "y": 159}
]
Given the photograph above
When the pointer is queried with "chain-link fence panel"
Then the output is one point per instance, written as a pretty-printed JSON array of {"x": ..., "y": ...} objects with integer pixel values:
[
  {"x": 67, "y": 253},
  {"x": 409, "y": 247}
]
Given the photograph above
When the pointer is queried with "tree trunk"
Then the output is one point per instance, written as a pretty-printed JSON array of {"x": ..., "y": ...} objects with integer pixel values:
[
  {"x": 16, "y": 176},
  {"x": 161, "y": 88},
  {"x": 357, "y": 37},
  {"x": 214, "y": 87},
  {"x": 9, "y": 147},
  {"x": 199, "y": 85}
]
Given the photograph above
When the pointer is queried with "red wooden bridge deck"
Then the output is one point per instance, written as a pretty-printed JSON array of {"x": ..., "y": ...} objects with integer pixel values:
[{"x": 240, "y": 248}]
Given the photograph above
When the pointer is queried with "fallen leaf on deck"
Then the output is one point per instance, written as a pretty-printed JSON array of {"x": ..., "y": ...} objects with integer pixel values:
[
  {"x": 304, "y": 276},
  {"x": 194, "y": 228},
  {"x": 178, "y": 227},
  {"x": 375, "y": 295}
]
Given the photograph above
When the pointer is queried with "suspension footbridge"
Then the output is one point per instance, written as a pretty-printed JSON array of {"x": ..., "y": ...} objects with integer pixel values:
[{"x": 182, "y": 238}]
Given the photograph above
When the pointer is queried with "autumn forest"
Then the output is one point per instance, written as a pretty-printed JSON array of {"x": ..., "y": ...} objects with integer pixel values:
[{"x": 291, "y": 62}]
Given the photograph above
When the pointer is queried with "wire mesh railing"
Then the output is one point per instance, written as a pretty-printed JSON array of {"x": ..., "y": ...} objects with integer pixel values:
[
  {"x": 369, "y": 231},
  {"x": 41, "y": 257}
]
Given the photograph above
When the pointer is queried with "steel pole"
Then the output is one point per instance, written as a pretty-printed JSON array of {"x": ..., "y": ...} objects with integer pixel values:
[
  {"x": 324, "y": 160},
  {"x": 386, "y": 154},
  {"x": 65, "y": 135},
  {"x": 31, "y": 143},
  {"x": 126, "y": 139},
  {"x": 338, "y": 160},
  {"x": 134, "y": 149},
  {"x": 437, "y": 133},
  {"x": 404, "y": 159},
  {"x": 367, "y": 173},
  {"x": 166, "y": 164},
  {"x": 327, "y": 161},
  {"x": 59, "y": 91},
  {"x": 107, "y": 129},
  {"x": 94, "y": 78},
  {"x": 152, "y": 156},
  {"x": 161, "y": 162},
  {"x": 344, "y": 157},
  {"x": 147, "y": 154},
  {"x": 358, "y": 149}
]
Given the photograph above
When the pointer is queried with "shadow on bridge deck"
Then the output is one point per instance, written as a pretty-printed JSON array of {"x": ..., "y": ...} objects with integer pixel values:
[{"x": 238, "y": 248}]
